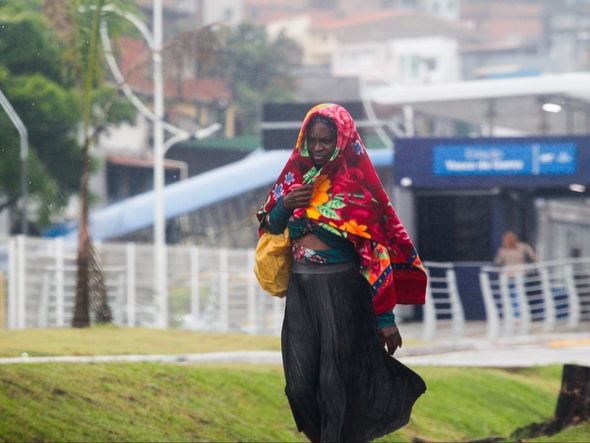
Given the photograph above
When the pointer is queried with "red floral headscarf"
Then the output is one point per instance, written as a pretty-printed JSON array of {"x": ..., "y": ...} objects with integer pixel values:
[{"x": 349, "y": 201}]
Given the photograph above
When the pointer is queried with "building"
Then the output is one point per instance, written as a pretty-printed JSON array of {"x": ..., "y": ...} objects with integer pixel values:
[{"x": 458, "y": 194}]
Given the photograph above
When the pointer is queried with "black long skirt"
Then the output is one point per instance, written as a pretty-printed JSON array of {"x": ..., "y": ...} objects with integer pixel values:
[{"x": 340, "y": 382}]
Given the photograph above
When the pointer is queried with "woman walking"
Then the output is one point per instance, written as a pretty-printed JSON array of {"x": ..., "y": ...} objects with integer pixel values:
[{"x": 352, "y": 263}]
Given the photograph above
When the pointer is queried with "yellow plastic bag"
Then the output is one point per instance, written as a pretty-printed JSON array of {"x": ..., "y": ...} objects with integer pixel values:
[{"x": 273, "y": 263}]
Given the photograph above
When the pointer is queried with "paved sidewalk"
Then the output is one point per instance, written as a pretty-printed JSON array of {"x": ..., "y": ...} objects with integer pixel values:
[
  {"x": 505, "y": 357},
  {"x": 252, "y": 357},
  {"x": 518, "y": 351}
]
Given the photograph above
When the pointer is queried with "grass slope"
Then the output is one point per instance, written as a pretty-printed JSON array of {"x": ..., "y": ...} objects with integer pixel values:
[
  {"x": 110, "y": 340},
  {"x": 580, "y": 433},
  {"x": 165, "y": 402},
  {"x": 141, "y": 402}
]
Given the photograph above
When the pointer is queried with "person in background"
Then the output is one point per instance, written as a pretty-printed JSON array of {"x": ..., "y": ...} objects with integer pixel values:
[
  {"x": 512, "y": 252},
  {"x": 352, "y": 262}
]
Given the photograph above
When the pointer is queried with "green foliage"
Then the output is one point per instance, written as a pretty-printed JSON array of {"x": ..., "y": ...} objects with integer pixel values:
[
  {"x": 258, "y": 70},
  {"x": 27, "y": 44},
  {"x": 44, "y": 54},
  {"x": 30, "y": 77},
  {"x": 165, "y": 402}
]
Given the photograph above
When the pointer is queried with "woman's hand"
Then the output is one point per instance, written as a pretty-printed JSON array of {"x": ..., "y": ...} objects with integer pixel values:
[
  {"x": 299, "y": 197},
  {"x": 391, "y": 338}
]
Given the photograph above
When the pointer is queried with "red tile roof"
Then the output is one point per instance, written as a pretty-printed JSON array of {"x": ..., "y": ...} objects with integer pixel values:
[
  {"x": 206, "y": 89},
  {"x": 138, "y": 162},
  {"x": 330, "y": 21},
  {"x": 135, "y": 64}
]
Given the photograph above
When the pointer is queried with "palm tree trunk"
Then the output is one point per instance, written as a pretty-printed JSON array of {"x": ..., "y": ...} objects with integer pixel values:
[
  {"x": 82, "y": 306},
  {"x": 81, "y": 310}
]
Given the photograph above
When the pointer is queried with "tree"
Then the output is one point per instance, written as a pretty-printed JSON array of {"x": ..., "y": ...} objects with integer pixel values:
[
  {"x": 259, "y": 71},
  {"x": 31, "y": 78},
  {"x": 257, "y": 68},
  {"x": 100, "y": 107}
]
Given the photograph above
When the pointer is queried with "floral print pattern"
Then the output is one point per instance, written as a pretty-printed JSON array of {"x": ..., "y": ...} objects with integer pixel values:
[
  {"x": 302, "y": 254},
  {"x": 278, "y": 191},
  {"x": 289, "y": 178},
  {"x": 357, "y": 147},
  {"x": 349, "y": 198}
]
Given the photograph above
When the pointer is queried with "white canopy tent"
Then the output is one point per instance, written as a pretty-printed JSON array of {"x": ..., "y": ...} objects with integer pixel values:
[{"x": 546, "y": 104}]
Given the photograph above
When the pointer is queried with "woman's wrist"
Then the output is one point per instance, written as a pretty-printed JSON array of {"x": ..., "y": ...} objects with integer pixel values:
[{"x": 386, "y": 320}]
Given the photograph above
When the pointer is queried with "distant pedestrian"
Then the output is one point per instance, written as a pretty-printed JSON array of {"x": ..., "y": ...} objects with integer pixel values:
[
  {"x": 513, "y": 252},
  {"x": 352, "y": 262}
]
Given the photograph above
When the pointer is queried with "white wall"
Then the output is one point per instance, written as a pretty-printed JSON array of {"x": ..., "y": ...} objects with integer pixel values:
[
  {"x": 448, "y": 9},
  {"x": 363, "y": 60},
  {"x": 426, "y": 60},
  {"x": 229, "y": 12},
  {"x": 126, "y": 139},
  {"x": 406, "y": 61}
]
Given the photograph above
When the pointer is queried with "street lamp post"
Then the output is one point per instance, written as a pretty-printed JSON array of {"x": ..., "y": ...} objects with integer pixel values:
[
  {"x": 154, "y": 41},
  {"x": 24, "y": 155},
  {"x": 160, "y": 254}
]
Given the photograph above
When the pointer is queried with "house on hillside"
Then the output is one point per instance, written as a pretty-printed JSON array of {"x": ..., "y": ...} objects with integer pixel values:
[
  {"x": 194, "y": 99},
  {"x": 394, "y": 44}
]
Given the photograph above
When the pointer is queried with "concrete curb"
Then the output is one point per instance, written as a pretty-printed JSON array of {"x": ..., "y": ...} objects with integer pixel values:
[{"x": 253, "y": 357}]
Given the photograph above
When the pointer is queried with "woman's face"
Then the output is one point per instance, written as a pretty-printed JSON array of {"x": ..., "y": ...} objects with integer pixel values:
[{"x": 321, "y": 143}]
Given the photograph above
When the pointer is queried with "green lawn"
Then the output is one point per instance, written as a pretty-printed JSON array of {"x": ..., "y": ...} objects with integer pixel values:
[
  {"x": 169, "y": 402},
  {"x": 166, "y": 402},
  {"x": 110, "y": 340}
]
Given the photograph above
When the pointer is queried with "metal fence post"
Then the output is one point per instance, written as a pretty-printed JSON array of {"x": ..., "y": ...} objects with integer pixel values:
[
  {"x": 549, "y": 321},
  {"x": 277, "y": 315},
  {"x": 252, "y": 326},
  {"x": 43, "y": 316},
  {"x": 572, "y": 295},
  {"x": 492, "y": 315},
  {"x": 12, "y": 284},
  {"x": 59, "y": 282},
  {"x": 195, "y": 285},
  {"x": 21, "y": 299},
  {"x": 131, "y": 297},
  {"x": 507, "y": 312},
  {"x": 429, "y": 327},
  {"x": 456, "y": 305},
  {"x": 523, "y": 304},
  {"x": 223, "y": 291}
]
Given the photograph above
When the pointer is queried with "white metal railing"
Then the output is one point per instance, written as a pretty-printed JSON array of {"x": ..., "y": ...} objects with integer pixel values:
[
  {"x": 540, "y": 296},
  {"x": 443, "y": 308},
  {"x": 210, "y": 289}
]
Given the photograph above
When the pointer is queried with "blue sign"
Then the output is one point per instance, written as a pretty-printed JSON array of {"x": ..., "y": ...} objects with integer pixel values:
[{"x": 542, "y": 158}]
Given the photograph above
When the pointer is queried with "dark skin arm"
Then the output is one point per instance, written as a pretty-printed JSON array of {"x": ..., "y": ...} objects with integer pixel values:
[
  {"x": 391, "y": 338},
  {"x": 299, "y": 197}
]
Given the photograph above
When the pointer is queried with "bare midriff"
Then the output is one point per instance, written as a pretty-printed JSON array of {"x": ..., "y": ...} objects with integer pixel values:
[{"x": 310, "y": 241}]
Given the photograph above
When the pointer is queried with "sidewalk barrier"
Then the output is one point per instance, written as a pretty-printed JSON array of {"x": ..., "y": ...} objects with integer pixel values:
[
  {"x": 3, "y": 300},
  {"x": 443, "y": 306},
  {"x": 214, "y": 289},
  {"x": 542, "y": 296}
]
